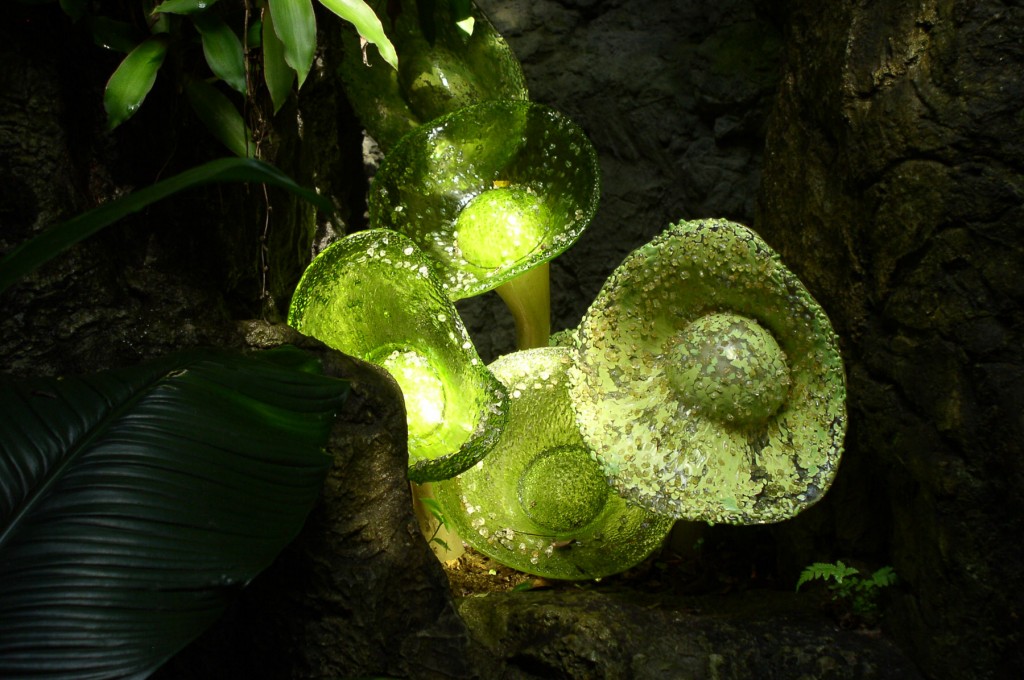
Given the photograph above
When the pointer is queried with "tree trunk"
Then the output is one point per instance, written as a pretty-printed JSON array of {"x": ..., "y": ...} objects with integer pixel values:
[{"x": 894, "y": 185}]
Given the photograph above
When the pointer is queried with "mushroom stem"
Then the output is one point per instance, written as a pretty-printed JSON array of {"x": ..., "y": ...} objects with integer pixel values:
[{"x": 528, "y": 297}]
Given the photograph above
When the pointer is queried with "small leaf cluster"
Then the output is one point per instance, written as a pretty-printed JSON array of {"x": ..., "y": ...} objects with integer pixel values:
[
  {"x": 244, "y": 45},
  {"x": 848, "y": 586}
]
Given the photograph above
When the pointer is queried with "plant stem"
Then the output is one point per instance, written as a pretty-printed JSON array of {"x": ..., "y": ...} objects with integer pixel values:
[{"x": 528, "y": 297}]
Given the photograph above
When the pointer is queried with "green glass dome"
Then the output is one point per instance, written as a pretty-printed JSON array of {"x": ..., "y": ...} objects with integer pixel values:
[
  {"x": 539, "y": 502},
  {"x": 709, "y": 380},
  {"x": 372, "y": 295},
  {"x": 437, "y": 73},
  {"x": 489, "y": 192}
]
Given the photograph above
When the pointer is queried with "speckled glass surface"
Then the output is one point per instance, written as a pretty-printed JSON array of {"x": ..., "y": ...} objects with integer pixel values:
[
  {"x": 539, "y": 502},
  {"x": 709, "y": 380},
  {"x": 455, "y": 70},
  {"x": 489, "y": 191},
  {"x": 372, "y": 295}
]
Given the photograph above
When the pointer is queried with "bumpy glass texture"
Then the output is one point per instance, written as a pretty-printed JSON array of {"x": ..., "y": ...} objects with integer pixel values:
[
  {"x": 371, "y": 295},
  {"x": 709, "y": 381},
  {"x": 489, "y": 191},
  {"x": 539, "y": 502},
  {"x": 455, "y": 70}
]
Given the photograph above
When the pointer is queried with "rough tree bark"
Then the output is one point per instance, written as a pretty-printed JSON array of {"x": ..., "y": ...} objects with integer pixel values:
[{"x": 894, "y": 184}]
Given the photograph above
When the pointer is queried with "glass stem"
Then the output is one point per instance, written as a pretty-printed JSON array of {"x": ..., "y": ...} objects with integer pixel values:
[{"x": 528, "y": 297}]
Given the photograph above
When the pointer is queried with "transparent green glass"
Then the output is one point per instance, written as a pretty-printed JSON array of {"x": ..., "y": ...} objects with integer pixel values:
[
  {"x": 539, "y": 502},
  {"x": 454, "y": 69},
  {"x": 372, "y": 295},
  {"x": 709, "y": 380},
  {"x": 491, "y": 192}
]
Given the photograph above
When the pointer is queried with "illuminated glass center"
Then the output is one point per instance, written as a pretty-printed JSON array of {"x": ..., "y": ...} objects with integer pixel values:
[
  {"x": 563, "y": 489},
  {"x": 502, "y": 226},
  {"x": 731, "y": 368},
  {"x": 422, "y": 389}
]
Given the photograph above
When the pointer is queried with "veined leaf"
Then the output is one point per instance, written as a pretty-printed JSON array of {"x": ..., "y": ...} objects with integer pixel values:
[
  {"x": 276, "y": 72},
  {"x": 132, "y": 81},
  {"x": 47, "y": 245},
  {"x": 367, "y": 25},
  {"x": 220, "y": 117},
  {"x": 223, "y": 50},
  {"x": 295, "y": 25},
  {"x": 134, "y": 503},
  {"x": 182, "y": 6}
]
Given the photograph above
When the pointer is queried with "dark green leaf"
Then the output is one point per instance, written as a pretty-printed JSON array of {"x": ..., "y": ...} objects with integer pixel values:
[
  {"x": 182, "y": 6},
  {"x": 295, "y": 25},
  {"x": 75, "y": 9},
  {"x": 367, "y": 25},
  {"x": 47, "y": 245},
  {"x": 276, "y": 72},
  {"x": 133, "y": 503},
  {"x": 220, "y": 117},
  {"x": 223, "y": 50},
  {"x": 111, "y": 34},
  {"x": 254, "y": 34},
  {"x": 132, "y": 81}
]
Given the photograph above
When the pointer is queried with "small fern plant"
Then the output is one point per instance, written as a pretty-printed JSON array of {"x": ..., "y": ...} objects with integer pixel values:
[{"x": 847, "y": 584}]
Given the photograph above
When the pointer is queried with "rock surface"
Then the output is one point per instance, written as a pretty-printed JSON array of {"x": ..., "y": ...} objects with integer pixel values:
[{"x": 625, "y": 635}]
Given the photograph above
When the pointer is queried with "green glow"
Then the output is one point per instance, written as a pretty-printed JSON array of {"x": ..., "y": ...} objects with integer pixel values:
[
  {"x": 422, "y": 388},
  {"x": 501, "y": 227},
  {"x": 372, "y": 295},
  {"x": 539, "y": 502},
  {"x": 489, "y": 192}
]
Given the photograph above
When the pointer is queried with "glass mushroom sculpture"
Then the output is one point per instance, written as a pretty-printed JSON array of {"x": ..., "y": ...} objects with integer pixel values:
[
  {"x": 492, "y": 193},
  {"x": 539, "y": 502},
  {"x": 372, "y": 295},
  {"x": 442, "y": 66},
  {"x": 709, "y": 381}
]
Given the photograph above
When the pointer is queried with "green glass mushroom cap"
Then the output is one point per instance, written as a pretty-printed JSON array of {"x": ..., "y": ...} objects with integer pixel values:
[
  {"x": 489, "y": 192},
  {"x": 710, "y": 381},
  {"x": 371, "y": 295},
  {"x": 437, "y": 74},
  {"x": 539, "y": 502}
]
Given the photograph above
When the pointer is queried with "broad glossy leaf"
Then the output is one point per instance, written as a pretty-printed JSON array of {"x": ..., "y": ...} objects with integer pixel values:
[
  {"x": 295, "y": 25},
  {"x": 47, "y": 245},
  {"x": 276, "y": 72},
  {"x": 223, "y": 50},
  {"x": 133, "y": 503},
  {"x": 359, "y": 14},
  {"x": 220, "y": 117},
  {"x": 182, "y": 6},
  {"x": 132, "y": 81}
]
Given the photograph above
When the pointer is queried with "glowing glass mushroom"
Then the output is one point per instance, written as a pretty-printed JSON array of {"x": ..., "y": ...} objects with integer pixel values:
[
  {"x": 492, "y": 193},
  {"x": 372, "y": 295},
  {"x": 709, "y": 381},
  {"x": 461, "y": 63},
  {"x": 539, "y": 502}
]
